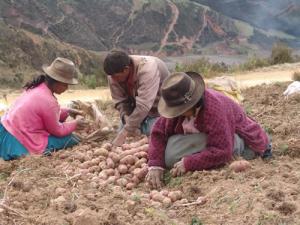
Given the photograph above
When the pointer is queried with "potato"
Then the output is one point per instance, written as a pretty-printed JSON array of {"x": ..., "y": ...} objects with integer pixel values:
[
  {"x": 117, "y": 173},
  {"x": 140, "y": 162},
  {"x": 141, "y": 155},
  {"x": 240, "y": 166},
  {"x": 136, "y": 171},
  {"x": 94, "y": 169},
  {"x": 107, "y": 146},
  {"x": 110, "y": 163},
  {"x": 122, "y": 182},
  {"x": 131, "y": 168},
  {"x": 158, "y": 197},
  {"x": 85, "y": 165},
  {"x": 103, "y": 165},
  {"x": 166, "y": 202},
  {"x": 114, "y": 156},
  {"x": 110, "y": 172},
  {"x": 129, "y": 159},
  {"x": 130, "y": 186},
  {"x": 122, "y": 169},
  {"x": 164, "y": 192},
  {"x": 95, "y": 161},
  {"x": 111, "y": 180},
  {"x": 153, "y": 192},
  {"x": 173, "y": 196},
  {"x": 135, "y": 180},
  {"x": 101, "y": 151},
  {"x": 143, "y": 172},
  {"x": 103, "y": 175}
]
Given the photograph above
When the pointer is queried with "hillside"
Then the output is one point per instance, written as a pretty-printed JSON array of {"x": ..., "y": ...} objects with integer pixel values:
[
  {"x": 141, "y": 26},
  {"x": 23, "y": 53}
]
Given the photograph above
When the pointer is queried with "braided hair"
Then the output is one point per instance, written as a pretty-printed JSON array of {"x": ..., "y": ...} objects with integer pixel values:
[{"x": 38, "y": 80}]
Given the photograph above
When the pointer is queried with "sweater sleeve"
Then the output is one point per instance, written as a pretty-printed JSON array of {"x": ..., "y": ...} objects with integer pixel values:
[
  {"x": 64, "y": 113},
  {"x": 51, "y": 117},
  {"x": 158, "y": 143},
  {"x": 219, "y": 145},
  {"x": 149, "y": 80},
  {"x": 118, "y": 95}
]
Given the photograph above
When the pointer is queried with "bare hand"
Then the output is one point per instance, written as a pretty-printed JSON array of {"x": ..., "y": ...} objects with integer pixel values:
[
  {"x": 120, "y": 139},
  {"x": 178, "y": 169},
  {"x": 81, "y": 123},
  {"x": 154, "y": 177},
  {"x": 74, "y": 112}
]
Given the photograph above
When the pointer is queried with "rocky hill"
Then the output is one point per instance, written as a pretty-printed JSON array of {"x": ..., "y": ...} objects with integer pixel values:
[
  {"x": 155, "y": 27},
  {"x": 34, "y": 31}
]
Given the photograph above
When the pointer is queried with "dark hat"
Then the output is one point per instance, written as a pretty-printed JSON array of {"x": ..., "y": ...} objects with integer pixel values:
[
  {"x": 180, "y": 92},
  {"x": 63, "y": 70}
]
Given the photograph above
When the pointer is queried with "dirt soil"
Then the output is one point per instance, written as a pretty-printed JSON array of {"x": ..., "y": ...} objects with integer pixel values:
[{"x": 49, "y": 190}]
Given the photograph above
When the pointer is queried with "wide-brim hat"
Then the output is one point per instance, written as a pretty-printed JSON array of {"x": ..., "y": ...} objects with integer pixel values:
[
  {"x": 63, "y": 70},
  {"x": 179, "y": 93}
]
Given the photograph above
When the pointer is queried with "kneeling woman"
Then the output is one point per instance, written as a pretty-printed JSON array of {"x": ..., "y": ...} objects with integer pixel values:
[
  {"x": 35, "y": 124},
  {"x": 199, "y": 129}
]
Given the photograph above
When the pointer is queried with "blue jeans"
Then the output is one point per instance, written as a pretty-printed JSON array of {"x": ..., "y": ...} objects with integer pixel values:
[{"x": 146, "y": 125}]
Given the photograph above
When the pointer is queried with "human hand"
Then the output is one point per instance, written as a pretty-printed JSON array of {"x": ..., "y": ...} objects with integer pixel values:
[
  {"x": 178, "y": 169},
  {"x": 74, "y": 112},
  {"x": 154, "y": 177},
  {"x": 120, "y": 139},
  {"x": 81, "y": 123}
]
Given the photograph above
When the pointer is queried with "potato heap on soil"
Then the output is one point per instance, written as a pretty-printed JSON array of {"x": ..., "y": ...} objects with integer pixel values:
[{"x": 124, "y": 166}]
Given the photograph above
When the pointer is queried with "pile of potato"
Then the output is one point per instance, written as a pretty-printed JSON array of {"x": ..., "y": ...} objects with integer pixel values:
[{"x": 124, "y": 166}]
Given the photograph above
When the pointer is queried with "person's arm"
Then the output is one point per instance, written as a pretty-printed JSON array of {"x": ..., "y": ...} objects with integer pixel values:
[
  {"x": 51, "y": 117},
  {"x": 218, "y": 149},
  {"x": 149, "y": 80},
  {"x": 64, "y": 113},
  {"x": 118, "y": 95}
]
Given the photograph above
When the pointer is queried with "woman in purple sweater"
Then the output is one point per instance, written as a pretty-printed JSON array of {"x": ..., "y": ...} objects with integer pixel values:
[{"x": 199, "y": 129}]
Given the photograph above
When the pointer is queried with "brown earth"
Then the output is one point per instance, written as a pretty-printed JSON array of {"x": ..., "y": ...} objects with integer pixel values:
[{"x": 48, "y": 190}]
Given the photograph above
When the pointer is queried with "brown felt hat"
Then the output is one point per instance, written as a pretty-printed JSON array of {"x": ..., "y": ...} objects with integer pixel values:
[
  {"x": 180, "y": 92},
  {"x": 63, "y": 70}
]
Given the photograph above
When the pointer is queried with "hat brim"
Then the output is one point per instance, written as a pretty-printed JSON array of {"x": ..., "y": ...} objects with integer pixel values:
[
  {"x": 51, "y": 74},
  {"x": 172, "y": 112}
]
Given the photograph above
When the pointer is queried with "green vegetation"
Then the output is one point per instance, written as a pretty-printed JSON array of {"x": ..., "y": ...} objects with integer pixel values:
[
  {"x": 296, "y": 76},
  {"x": 281, "y": 53}
]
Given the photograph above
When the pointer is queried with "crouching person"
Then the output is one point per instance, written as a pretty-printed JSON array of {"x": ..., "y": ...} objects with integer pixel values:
[
  {"x": 199, "y": 129},
  {"x": 35, "y": 124}
]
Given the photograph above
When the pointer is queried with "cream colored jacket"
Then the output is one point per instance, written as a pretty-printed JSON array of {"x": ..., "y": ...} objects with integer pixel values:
[{"x": 149, "y": 73}]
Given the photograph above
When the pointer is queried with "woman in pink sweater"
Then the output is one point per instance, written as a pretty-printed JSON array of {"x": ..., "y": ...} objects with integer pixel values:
[{"x": 35, "y": 124}]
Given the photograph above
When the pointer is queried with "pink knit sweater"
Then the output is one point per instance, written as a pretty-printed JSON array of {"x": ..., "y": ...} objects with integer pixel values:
[
  {"x": 34, "y": 116},
  {"x": 220, "y": 118}
]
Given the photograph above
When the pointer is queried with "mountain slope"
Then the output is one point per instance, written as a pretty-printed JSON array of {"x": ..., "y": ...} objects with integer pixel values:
[{"x": 139, "y": 26}]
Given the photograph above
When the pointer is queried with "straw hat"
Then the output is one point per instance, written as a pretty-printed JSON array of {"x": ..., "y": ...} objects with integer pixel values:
[
  {"x": 180, "y": 92},
  {"x": 63, "y": 70}
]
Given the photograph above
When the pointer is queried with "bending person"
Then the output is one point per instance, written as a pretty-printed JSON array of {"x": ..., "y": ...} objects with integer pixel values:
[
  {"x": 199, "y": 129},
  {"x": 35, "y": 124},
  {"x": 135, "y": 83}
]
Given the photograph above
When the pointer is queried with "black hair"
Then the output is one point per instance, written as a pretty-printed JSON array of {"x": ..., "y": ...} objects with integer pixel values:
[
  {"x": 200, "y": 103},
  {"x": 38, "y": 80},
  {"x": 115, "y": 62}
]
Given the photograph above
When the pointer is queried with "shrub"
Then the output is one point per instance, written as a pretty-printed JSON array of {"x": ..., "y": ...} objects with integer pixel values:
[
  {"x": 296, "y": 76},
  {"x": 281, "y": 53},
  {"x": 204, "y": 67},
  {"x": 253, "y": 63}
]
